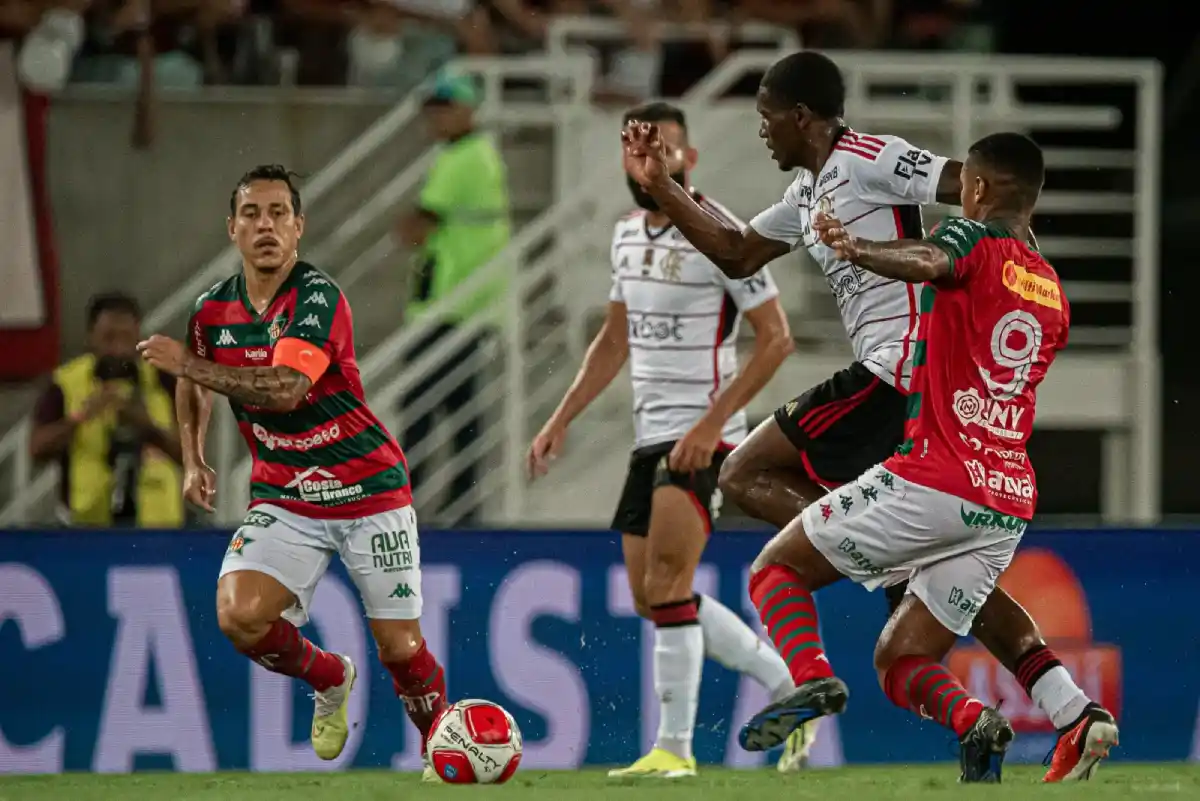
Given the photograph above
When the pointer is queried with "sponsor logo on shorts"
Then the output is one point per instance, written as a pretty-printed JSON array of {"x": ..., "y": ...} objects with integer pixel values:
[
  {"x": 1000, "y": 419},
  {"x": 999, "y": 483},
  {"x": 238, "y": 542},
  {"x": 391, "y": 552},
  {"x": 318, "y": 485},
  {"x": 959, "y": 600},
  {"x": 991, "y": 520},
  {"x": 403, "y": 592},
  {"x": 260, "y": 520},
  {"x": 276, "y": 442},
  {"x": 1031, "y": 286},
  {"x": 850, "y": 548}
]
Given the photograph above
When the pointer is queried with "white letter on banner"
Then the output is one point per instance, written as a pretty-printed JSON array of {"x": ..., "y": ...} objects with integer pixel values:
[
  {"x": 620, "y": 603},
  {"x": 441, "y": 588},
  {"x": 28, "y": 599},
  {"x": 152, "y": 626},
  {"x": 338, "y": 620},
  {"x": 540, "y": 678},
  {"x": 827, "y": 749}
]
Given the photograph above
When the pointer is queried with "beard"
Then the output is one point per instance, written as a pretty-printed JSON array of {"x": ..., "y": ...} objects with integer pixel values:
[{"x": 643, "y": 198}]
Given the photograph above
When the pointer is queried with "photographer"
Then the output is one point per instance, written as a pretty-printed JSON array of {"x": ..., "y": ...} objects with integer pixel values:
[{"x": 109, "y": 420}]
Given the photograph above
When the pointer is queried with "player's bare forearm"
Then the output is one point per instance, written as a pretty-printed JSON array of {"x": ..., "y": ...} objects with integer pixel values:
[
  {"x": 724, "y": 245},
  {"x": 603, "y": 361},
  {"x": 193, "y": 408},
  {"x": 278, "y": 389},
  {"x": 772, "y": 344},
  {"x": 949, "y": 187},
  {"x": 909, "y": 260}
]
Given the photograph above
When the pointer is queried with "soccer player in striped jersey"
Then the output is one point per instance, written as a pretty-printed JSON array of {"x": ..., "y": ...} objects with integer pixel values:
[
  {"x": 832, "y": 433},
  {"x": 277, "y": 340},
  {"x": 674, "y": 317}
]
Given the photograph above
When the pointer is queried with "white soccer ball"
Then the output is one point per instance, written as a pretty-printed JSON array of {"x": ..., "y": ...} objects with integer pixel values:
[{"x": 475, "y": 742}]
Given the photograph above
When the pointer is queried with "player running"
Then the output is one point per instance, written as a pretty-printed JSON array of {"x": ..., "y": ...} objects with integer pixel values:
[
  {"x": 277, "y": 340},
  {"x": 946, "y": 512},
  {"x": 833, "y": 432},
  {"x": 675, "y": 317}
]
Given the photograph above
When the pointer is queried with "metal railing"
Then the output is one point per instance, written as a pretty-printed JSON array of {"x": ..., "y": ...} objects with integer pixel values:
[{"x": 569, "y": 79}]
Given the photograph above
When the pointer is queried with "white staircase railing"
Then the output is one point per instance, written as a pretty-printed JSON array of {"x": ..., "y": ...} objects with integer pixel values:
[
  {"x": 1111, "y": 376},
  {"x": 569, "y": 78}
]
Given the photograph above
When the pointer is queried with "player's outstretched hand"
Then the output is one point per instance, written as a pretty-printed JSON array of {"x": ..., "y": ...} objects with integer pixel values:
[
  {"x": 168, "y": 355},
  {"x": 835, "y": 236},
  {"x": 545, "y": 449},
  {"x": 200, "y": 486},
  {"x": 645, "y": 154}
]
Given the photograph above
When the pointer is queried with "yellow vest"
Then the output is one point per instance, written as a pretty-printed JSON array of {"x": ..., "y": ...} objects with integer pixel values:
[{"x": 159, "y": 499}]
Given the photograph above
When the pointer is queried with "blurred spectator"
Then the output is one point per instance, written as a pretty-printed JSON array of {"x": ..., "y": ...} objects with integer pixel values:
[
  {"x": 108, "y": 418},
  {"x": 460, "y": 224},
  {"x": 823, "y": 24}
]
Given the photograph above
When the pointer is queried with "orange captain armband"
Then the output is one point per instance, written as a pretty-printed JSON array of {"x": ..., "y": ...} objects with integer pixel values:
[{"x": 302, "y": 356}]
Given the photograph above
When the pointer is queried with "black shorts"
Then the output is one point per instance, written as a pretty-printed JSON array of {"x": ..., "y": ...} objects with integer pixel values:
[
  {"x": 846, "y": 425},
  {"x": 647, "y": 472}
]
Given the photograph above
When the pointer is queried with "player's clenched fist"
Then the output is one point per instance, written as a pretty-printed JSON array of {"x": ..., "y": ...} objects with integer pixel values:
[
  {"x": 168, "y": 355},
  {"x": 835, "y": 236},
  {"x": 645, "y": 154}
]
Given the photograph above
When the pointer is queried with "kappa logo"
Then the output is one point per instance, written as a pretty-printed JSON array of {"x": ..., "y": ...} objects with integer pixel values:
[
  {"x": 318, "y": 299},
  {"x": 826, "y": 512},
  {"x": 310, "y": 321},
  {"x": 226, "y": 339}
]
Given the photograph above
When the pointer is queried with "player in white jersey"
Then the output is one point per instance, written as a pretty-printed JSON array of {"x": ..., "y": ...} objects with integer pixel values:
[
  {"x": 831, "y": 434},
  {"x": 674, "y": 316}
]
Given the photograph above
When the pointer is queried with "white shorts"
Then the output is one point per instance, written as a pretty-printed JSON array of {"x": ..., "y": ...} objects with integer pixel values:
[
  {"x": 881, "y": 530},
  {"x": 381, "y": 553}
]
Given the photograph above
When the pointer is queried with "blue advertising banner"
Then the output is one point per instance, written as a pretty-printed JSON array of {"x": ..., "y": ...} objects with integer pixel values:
[{"x": 111, "y": 659}]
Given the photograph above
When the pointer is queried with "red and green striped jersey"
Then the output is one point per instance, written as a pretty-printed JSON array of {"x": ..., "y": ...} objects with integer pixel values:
[
  {"x": 330, "y": 457},
  {"x": 987, "y": 335}
]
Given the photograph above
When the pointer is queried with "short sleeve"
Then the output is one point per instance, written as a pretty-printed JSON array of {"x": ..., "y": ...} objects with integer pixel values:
[
  {"x": 440, "y": 192},
  {"x": 901, "y": 174},
  {"x": 197, "y": 336},
  {"x": 750, "y": 293},
  {"x": 782, "y": 221},
  {"x": 615, "y": 294},
  {"x": 317, "y": 301},
  {"x": 958, "y": 236}
]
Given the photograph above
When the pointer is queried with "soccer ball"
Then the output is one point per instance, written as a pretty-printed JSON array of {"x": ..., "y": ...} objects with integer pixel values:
[{"x": 475, "y": 742}]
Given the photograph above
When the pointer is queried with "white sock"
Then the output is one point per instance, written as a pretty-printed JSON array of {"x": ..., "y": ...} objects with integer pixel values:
[
  {"x": 729, "y": 641},
  {"x": 678, "y": 662},
  {"x": 1059, "y": 697}
]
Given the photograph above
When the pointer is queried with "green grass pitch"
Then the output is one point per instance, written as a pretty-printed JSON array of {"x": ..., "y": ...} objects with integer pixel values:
[{"x": 918, "y": 783}]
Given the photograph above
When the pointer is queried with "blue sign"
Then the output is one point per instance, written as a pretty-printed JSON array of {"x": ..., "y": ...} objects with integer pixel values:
[{"x": 111, "y": 658}]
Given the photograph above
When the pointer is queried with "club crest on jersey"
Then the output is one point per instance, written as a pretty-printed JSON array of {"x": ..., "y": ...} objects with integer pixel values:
[
  {"x": 275, "y": 330},
  {"x": 672, "y": 266},
  {"x": 825, "y": 204}
]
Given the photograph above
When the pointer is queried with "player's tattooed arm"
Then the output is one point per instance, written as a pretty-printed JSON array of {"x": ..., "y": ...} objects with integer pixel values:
[
  {"x": 279, "y": 389},
  {"x": 949, "y": 186},
  {"x": 911, "y": 260}
]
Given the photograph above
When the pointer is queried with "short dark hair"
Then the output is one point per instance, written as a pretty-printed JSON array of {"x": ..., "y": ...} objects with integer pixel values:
[
  {"x": 267, "y": 172},
  {"x": 117, "y": 302},
  {"x": 1016, "y": 156},
  {"x": 809, "y": 79},
  {"x": 656, "y": 111}
]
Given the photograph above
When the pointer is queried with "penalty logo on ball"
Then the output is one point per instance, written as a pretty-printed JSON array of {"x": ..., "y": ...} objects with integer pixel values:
[{"x": 475, "y": 742}]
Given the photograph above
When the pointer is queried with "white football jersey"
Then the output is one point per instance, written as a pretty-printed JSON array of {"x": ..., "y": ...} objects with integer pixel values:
[
  {"x": 683, "y": 323},
  {"x": 876, "y": 186}
]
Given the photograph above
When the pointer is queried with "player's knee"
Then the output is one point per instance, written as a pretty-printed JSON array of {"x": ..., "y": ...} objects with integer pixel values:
[
  {"x": 397, "y": 641},
  {"x": 243, "y": 622},
  {"x": 734, "y": 478}
]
